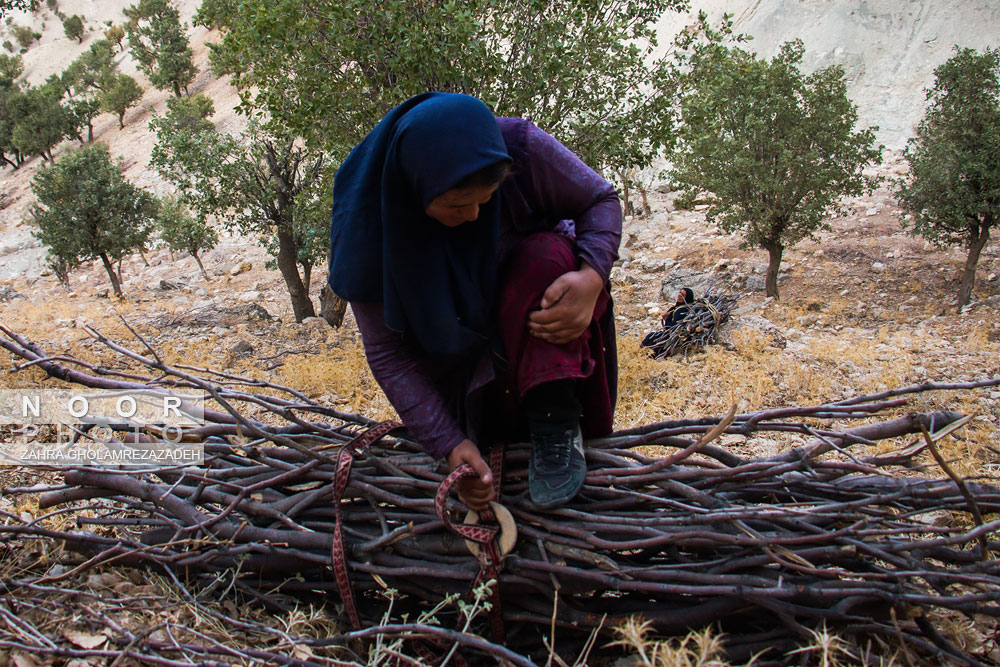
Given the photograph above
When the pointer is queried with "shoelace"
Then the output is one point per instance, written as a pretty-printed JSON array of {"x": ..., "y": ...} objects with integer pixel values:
[{"x": 555, "y": 451}]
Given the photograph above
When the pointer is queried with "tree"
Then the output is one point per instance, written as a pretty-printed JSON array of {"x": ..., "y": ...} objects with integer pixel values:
[
  {"x": 73, "y": 27},
  {"x": 190, "y": 114},
  {"x": 87, "y": 210},
  {"x": 774, "y": 148},
  {"x": 24, "y": 35},
  {"x": 40, "y": 121},
  {"x": 158, "y": 42},
  {"x": 583, "y": 70},
  {"x": 183, "y": 233},
  {"x": 121, "y": 94},
  {"x": 268, "y": 185},
  {"x": 954, "y": 183},
  {"x": 115, "y": 34},
  {"x": 11, "y": 69}
]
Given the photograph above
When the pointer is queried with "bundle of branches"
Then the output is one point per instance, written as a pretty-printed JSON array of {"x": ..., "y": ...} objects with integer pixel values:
[
  {"x": 697, "y": 329},
  {"x": 766, "y": 549}
]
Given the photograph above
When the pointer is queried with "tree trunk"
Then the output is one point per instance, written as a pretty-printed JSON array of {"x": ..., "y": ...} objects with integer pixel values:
[
  {"x": 90, "y": 131},
  {"x": 194, "y": 253},
  {"x": 115, "y": 284},
  {"x": 177, "y": 90},
  {"x": 626, "y": 202},
  {"x": 331, "y": 306},
  {"x": 302, "y": 307},
  {"x": 121, "y": 121},
  {"x": 976, "y": 246},
  {"x": 774, "y": 251},
  {"x": 307, "y": 269}
]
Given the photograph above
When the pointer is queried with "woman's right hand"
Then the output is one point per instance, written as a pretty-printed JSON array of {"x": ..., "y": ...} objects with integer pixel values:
[{"x": 475, "y": 492}]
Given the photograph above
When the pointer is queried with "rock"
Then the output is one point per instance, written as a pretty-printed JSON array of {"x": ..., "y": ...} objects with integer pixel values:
[
  {"x": 8, "y": 293},
  {"x": 992, "y": 277},
  {"x": 872, "y": 211},
  {"x": 250, "y": 295},
  {"x": 624, "y": 255},
  {"x": 756, "y": 283},
  {"x": 241, "y": 348},
  {"x": 680, "y": 277},
  {"x": 314, "y": 322},
  {"x": 242, "y": 267},
  {"x": 164, "y": 285},
  {"x": 620, "y": 276},
  {"x": 727, "y": 331},
  {"x": 878, "y": 266},
  {"x": 652, "y": 266}
]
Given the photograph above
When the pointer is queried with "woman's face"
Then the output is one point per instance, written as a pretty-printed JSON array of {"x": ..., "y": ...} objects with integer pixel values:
[{"x": 455, "y": 207}]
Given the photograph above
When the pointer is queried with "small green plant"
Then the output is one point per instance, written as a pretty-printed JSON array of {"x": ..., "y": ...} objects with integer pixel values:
[
  {"x": 53, "y": 5},
  {"x": 8, "y": 46},
  {"x": 24, "y": 35},
  {"x": 73, "y": 27},
  {"x": 183, "y": 233}
]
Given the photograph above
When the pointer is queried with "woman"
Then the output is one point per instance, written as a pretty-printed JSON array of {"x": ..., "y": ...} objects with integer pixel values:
[
  {"x": 680, "y": 309},
  {"x": 452, "y": 237}
]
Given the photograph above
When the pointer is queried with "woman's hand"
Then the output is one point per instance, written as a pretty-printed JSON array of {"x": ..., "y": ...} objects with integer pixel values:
[
  {"x": 567, "y": 306},
  {"x": 475, "y": 492}
]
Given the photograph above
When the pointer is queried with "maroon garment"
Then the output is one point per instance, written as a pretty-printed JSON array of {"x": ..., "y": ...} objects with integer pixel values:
[
  {"x": 550, "y": 189},
  {"x": 531, "y": 267}
]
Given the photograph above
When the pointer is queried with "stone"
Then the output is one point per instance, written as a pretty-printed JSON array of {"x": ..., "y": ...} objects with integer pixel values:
[
  {"x": 681, "y": 277},
  {"x": 250, "y": 295},
  {"x": 242, "y": 267},
  {"x": 752, "y": 323},
  {"x": 241, "y": 348},
  {"x": 878, "y": 266},
  {"x": 652, "y": 266},
  {"x": 756, "y": 283},
  {"x": 624, "y": 255},
  {"x": 992, "y": 277},
  {"x": 315, "y": 322}
]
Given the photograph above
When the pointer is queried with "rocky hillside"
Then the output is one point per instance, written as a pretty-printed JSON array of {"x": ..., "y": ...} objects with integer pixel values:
[{"x": 888, "y": 48}]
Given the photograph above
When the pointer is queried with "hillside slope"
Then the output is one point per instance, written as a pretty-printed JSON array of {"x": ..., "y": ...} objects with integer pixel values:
[{"x": 888, "y": 48}]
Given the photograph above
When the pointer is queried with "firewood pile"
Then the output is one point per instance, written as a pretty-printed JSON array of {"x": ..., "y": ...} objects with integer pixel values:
[
  {"x": 698, "y": 328},
  {"x": 766, "y": 549}
]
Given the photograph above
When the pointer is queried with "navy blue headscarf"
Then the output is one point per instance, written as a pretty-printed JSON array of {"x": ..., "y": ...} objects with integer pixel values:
[{"x": 437, "y": 283}]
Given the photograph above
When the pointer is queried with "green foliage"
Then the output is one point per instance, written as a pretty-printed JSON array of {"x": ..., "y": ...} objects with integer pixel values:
[
  {"x": 121, "y": 93},
  {"x": 189, "y": 114},
  {"x": 40, "y": 121},
  {"x": 87, "y": 210},
  {"x": 775, "y": 148},
  {"x": 115, "y": 34},
  {"x": 53, "y": 5},
  {"x": 8, "y": 46},
  {"x": 954, "y": 183},
  {"x": 94, "y": 68},
  {"x": 24, "y": 35},
  {"x": 182, "y": 232},
  {"x": 158, "y": 42},
  {"x": 73, "y": 27},
  {"x": 82, "y": 111},
  {"x": 581, "y": 69},
  {"x": 267, "y": 185},
  {"x": 11, "y": 69},
  {"x": 8, "y": 5}
]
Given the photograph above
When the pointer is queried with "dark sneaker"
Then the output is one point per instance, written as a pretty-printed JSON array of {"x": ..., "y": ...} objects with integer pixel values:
[{"x": 557, "y": 466}]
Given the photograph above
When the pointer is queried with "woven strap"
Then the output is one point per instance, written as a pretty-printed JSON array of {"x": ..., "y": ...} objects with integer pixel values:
[
  {"x": 338, "y": 554},
  {"x": 490, "y": 557}
]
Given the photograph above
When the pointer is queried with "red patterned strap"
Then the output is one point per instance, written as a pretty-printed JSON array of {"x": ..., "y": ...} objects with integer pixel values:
[
  {"x": 490, "y": 557},
  {"x": 476, "y": 532},
  {"x": 338, "y": 554}
]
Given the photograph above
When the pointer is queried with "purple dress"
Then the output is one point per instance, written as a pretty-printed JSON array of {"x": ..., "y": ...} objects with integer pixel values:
[{"x": 550, "y": 189}]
